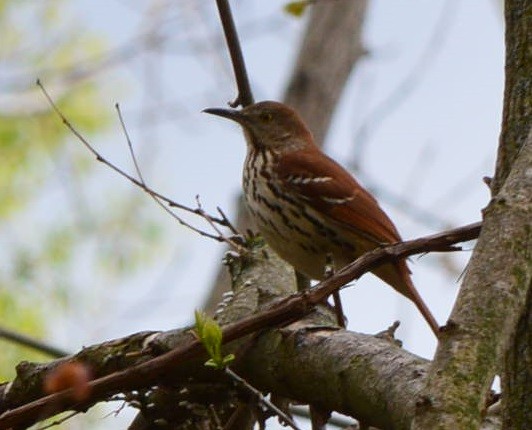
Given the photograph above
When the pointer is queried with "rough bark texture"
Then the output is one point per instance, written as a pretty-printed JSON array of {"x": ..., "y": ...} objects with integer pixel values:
[
  {"x": 256, "y": 280},
  {"x": 487, "y": 309},
  {"x": 331, "y": 46},
  {"x": 517, "y": 126},
  {"x": 495, "y": 288},
  {"x": 359, "y": 375},
  {"x": 310, "y": 360},
  {"x": 517, "y": 111},
  {"x": 517, "y": 376}
]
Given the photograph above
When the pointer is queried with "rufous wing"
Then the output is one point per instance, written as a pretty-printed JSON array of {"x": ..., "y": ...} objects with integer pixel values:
[{"x": 327, "y": 187}]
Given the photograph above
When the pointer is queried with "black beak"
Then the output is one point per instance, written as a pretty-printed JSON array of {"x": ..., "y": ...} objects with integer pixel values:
[{"x": 232, "y": 114}]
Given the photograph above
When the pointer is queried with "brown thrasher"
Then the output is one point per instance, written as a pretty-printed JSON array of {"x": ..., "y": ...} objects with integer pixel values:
[{"x": 308, "y": 208}]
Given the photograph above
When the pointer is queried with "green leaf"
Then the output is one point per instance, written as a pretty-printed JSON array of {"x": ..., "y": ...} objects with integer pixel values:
[
  {"x": 210, "y": 335},
  {"x": 211, "y": 363},
  {"x": 228, "y": 359}
]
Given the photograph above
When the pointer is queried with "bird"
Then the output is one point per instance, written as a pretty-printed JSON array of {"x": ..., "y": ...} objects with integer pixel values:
[{"x": 309, "y": 209}]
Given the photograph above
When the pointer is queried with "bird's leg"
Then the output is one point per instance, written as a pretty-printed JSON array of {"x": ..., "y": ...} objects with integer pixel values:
[
  {"x": 338, "y": 308},
  {"x": 302, "y": 282}
]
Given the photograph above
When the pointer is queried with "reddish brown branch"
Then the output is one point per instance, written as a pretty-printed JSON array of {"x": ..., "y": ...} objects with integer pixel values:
[
  {"x": 440, "y": 242},
  {"x": 281, "y": 313}
]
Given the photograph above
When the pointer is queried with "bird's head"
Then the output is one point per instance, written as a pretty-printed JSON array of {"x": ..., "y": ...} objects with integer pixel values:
[{"x": 269, "y": 124}]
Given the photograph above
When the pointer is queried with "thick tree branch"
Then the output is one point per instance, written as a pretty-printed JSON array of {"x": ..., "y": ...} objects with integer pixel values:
[
  {"x": 516, "y": 377},
  {"x": 517, "y": 110},
  {"x": 260, "y": 282},
  {"x": 487, "y": 309},
  {"x": 498, "y": 279}
]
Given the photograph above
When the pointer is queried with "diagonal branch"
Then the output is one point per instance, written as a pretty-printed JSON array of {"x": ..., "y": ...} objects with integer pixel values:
[
  {"x": 486, "y": 312},
  {"x": 280, "y": 312}
]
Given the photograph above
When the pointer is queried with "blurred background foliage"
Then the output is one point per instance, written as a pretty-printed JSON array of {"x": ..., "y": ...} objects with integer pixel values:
[{"x": 40, "y": 270}]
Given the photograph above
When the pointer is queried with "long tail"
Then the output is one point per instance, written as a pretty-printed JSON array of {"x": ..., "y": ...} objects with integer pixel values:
[
  {"x": 423, "y": 308},
  {"x": 398, "y": 276}
]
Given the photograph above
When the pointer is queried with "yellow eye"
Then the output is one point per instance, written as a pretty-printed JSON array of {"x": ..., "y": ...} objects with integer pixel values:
[{"x": 266, "y": 116}]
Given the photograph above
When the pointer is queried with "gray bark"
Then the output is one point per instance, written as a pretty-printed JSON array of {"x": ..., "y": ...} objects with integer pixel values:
[
  {"x": 311, "y": 360},
  {"x": 517, "y": 111},
  {"x": 517, "y": 365},
  {"x": 488, "y": 307},
  {"x": 491, "y": 318}
]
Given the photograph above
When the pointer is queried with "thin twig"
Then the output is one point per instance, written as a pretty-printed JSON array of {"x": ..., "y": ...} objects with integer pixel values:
[
  {"x": 103, "y": 160},
  {"x": 226, "y": 220},
  {"x": 439, "y": 242},
  {"x": 32, "y": 343},
  {"x": 245, "y": 96},
  {"x": 138, "y": 182},
  {"x": 220, "y": 237},
  {"x": 215, "y": 227},
  {"x": 129, "y": 144},
  {"x": 260, "y": 397}
]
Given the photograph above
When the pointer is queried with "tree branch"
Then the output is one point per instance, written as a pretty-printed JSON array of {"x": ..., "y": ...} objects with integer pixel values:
[
  {"x": 517, "y": 109},
  {"x": 516, "y": 378},
  {"x": 498, "y": 280},
  {"x": 256, "y": 307},
  {"x": 31, "y": 342},
  {"x": 487, "y": 309},
  {"x": 245, "y": 96},
  {"x": 165, "y": 202}
]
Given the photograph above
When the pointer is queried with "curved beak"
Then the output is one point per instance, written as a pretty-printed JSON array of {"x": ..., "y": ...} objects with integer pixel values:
[{"x": 231, "y": 114}]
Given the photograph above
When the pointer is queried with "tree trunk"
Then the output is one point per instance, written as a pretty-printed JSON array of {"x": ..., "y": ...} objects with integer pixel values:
[{"x": 492, "y": 311}]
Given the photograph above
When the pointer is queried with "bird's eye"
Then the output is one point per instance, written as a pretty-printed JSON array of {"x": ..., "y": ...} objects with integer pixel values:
[{"x": 266, "y": 116}]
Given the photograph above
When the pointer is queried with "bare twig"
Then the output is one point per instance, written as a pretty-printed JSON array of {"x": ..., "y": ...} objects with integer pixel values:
[
  {"x": 213, "y": 225},
  {"x": 140, "y": 182},
  {"x": 260, "y": 397},
  {"x": 130, "y": 146},
  {"x": 281, "y": 312},
  {"x": 199, "y": 211},
  {"x": 245, "y": 96},
  {"x": 32, "y": 343},
  {"x": 227, "y": 221}
]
